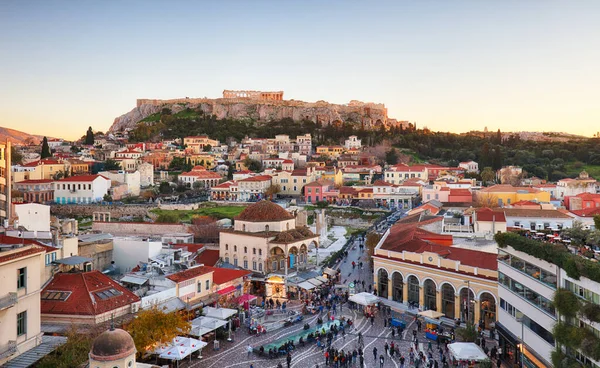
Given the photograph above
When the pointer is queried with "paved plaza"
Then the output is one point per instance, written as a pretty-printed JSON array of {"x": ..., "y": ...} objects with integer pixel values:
[{"x": 234, "y": 354}]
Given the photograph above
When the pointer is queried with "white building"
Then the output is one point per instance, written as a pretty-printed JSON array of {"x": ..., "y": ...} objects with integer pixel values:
[
  {"x": 130, "y": 178},
  {"x": 254, "y": 187},
  {"x": 20, "y": 273},
  {"x": 146, "y": 174},
  {"x": 304, "y": 143},
  {"x": 398, "y": 173},
  {"x": 33, "y": 216},
  {"x": 128, "y": 252},
  {"x": 278, "y": 163},
  {"x": 537, "y": 219},
  {"x": 470, "y": 166},
  {"x": 81, "y": 189},
  {"x": 352, "y": 143}
]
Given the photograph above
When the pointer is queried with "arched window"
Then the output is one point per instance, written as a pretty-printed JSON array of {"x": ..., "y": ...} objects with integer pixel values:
[
  {"x": 245, "y": 249},
  {"x": 226, "y": 246},
  {"x": 235, "y": 248},
  {"x": 267, "y": 228},
  {"x": 244, "y": 227}
]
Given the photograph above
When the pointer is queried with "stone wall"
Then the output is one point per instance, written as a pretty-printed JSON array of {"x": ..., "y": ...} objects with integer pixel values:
[
  {"x": 139, "y": 228},
  {"x": 116, "y": 211}
]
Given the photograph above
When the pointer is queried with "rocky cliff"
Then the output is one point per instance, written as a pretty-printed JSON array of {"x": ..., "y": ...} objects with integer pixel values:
[{"x": 370, "y": 115}]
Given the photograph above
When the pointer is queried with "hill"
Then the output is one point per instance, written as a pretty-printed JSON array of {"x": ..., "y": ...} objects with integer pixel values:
[{"x": 18, "y": 137}]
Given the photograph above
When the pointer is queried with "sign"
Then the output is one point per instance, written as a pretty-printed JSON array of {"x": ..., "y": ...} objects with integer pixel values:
[{"x": 351, "y": 285}]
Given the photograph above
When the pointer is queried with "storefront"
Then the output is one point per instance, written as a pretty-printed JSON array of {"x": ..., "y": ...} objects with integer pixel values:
[
  {"x": 275, "y": 287},
  {"x": 510, "y": 350}
]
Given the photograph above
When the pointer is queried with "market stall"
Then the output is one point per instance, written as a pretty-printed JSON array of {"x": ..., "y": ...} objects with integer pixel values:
[
  {"x": 433, "y": 326},
  {"x": 367, "y": 300},
  {"x": 467, "y": 351}
]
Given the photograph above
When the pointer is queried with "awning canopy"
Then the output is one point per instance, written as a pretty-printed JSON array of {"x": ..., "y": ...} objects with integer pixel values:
[
  {"x": 467, "y": 351},
  {"x": 227, "y": 290},
  {"x": 176, "y": 353},
  {"x": 246, "y": 298},
  {"x": 431, "y": 314},
  {"x": 188, "y": 342},
  {"x": 275, "y": 280},
  {"x": 136, "y": 280},
  {"x": 306, "y": 285},
  {"x": 72, "y": 261},
  {"x": 330, "y": 271},
  {"x": 321, "y": 278},
  {"x": 203, "y": 325},
  {"x": 315, "y": 282},
  {"x": 364, "y": 298},
  {"x": 220, "y": 313}
]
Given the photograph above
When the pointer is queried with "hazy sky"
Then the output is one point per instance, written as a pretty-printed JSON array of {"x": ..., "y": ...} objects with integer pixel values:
[{"x": 448, "y": 65}]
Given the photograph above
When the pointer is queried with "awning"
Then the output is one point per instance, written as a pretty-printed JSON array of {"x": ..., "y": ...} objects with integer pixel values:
[
  {"x": 275, "y": 280},
  {"x": 321, "y": 278},
  {"x": 315, "y": 282},
  {"x": 136, "y": 280},
  {"x": 227, "y": 290},
  {"x": 329, "y": 271},
  {"x": 246, "y": 298},
  {"x": 306, "y": 285},
  {"x": 431, "y": 314}
]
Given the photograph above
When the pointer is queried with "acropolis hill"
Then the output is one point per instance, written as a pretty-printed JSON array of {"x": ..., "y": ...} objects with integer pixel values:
[{"x": 263, "y": 106}]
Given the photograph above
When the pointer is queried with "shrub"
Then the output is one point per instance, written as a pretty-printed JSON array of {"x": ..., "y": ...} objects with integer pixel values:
[
  {"x": 566, "y": 303},
  {"x": 591, "y": 311}
]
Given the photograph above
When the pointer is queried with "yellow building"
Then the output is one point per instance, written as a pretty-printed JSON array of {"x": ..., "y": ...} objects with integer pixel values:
[
  {"x": 332, "y": 174},
  {"x": 506, "y": 194},
  {"x": 203, "y": 159},
  {"x": 415, "y": 266},
  {"x": 332, "y": 151}
]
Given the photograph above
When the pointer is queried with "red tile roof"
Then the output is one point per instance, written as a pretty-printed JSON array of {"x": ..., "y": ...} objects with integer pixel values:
[
  {"x": 487, "y": 214},
  {"x": 264, "y": 211},
  {"x": 191, "y": 247},
  {"x": 208, "y": 257},
  {"x": 82, "y": 178},
  {"x": 587, "y": 212},
  {"x": 525, "y": 203},
  {"x": 223, "y": 275},
  {"x": 460, "y": 192},
  {"x": 258, "y": 178},
  {"x": 20, "y": 254},
  {"x": 381, "y": 183},
  {"x": 410, "y": 238},
  {"x": 84, "y": 299},
  {"x": 202, "y": 174},
  {"x": 190, "y": 274},
  {"x": 35, "y": 181}
]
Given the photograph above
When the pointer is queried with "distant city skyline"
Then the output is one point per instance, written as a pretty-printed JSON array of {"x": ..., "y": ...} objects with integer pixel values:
[{"x": 449, "y": 66}]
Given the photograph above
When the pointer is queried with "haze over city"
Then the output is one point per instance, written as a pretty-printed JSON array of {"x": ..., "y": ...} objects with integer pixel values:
[{"x": 451, "y": 66}]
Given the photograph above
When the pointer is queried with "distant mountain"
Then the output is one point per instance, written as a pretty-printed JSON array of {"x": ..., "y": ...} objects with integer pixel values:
[{"x": 18, "y": 137}]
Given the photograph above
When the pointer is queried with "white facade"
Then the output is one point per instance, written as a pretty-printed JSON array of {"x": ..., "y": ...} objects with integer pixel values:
[
  {"x": 20, "y": 301},
  {"x": 131, "y": 179},
  {"x": 531, "y": 322},
  {"x": 33, "y": 216},
  {"x": 352, "y": 143},
  {"x": 470, "y": 166},
  {"x": 146, "y": 174},
  {"x": 81, "y": 189},
  {"x": 538, "y": 223},
  {"x": 573, "y": 187},
  {"x": 128, "y": 252}
]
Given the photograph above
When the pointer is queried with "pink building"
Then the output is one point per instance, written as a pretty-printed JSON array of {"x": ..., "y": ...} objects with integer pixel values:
[{"x": 320, "y": 190}]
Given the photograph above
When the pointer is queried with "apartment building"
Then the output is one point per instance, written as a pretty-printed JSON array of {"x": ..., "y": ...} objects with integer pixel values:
[
  {"x": 5, "y": 181},
  {"x": 19, "y": 299},
  {"x": 81, "y": 189}
]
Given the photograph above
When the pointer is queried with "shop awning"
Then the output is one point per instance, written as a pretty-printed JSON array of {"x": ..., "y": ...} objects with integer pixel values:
[
  {"x": 227, "y": 290},
  {"x": 321, "y": 278},
  {"x": 315, "y": 282},
  {"x": 275, "y": 280},
  {"x": 431, "y": 314},
  {"x": 246, "y": 298},
  {"x": 306, "y": 285},
  {"x": 329, "y": 271}
]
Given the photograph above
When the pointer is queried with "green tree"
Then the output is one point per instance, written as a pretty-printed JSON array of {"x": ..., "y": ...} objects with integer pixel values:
[
  {"x": 230, "y": 171},
  {"x": 153, "y": 326},
  {"x": 391, "y": 156},
  {"x": 207, "y": 148},
  {"x": 111, "y": 164},
  {"x": 45, "y": 149},
  {"x": 72, "y": 354},
  {"x": 165, "y": 188},
  {"x": 107, "y": 198},
  {"x": 89, "y": 137},
  {"x": 253, "y": 165},
  {"x": 168, "y": 217},
  {"x": 15, "y": 156},
  {"x": 487, "y": 175},
  {"x": 597, "y": 222}
]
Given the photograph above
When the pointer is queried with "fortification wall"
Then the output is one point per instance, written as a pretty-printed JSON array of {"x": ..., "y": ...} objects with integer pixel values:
[{"x": 66, "y": 210}]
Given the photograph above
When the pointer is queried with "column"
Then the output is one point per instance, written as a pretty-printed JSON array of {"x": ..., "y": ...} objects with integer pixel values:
[
  {"x": 375, "y": 281},
  {"x": 421, "y": 296},
  {"x": 390, "y": 289},
  {"x": 477, "y": 311},
  {"x": 438, "y": 301},
  {"x": 405, "y": 293},
  {"x": 457, "y": 311}
]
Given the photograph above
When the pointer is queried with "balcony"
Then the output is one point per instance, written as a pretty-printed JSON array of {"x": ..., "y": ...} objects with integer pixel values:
[
  {"x": 9, "y": 349},
  {"x": 8, "y": 300}
]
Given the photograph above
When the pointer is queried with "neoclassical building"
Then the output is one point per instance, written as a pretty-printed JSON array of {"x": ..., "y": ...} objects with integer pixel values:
[
  {"x": 266, "y": 240},
  {"x": 417, "y": 266}
]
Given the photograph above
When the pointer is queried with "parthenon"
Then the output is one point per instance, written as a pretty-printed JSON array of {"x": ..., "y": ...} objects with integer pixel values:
[{"x": 254, "y": 95}]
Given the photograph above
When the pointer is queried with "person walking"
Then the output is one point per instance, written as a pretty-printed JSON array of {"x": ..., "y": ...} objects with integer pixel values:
[
  {"x": 249, "y": 350},
  {"x": 381, "y": 361},
  {"x": 288, "y": 360},
  {"x": 386, "y": 347},
  {"x": 375, "y": 353}
]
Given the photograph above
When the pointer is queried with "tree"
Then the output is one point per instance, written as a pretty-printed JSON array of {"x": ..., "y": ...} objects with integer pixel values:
[
  {"x": 370, "y": 243},
  {"x": 72, "y": 354},
  {"x": 197, "y": 185},
  {"x": 107, "y": 198},
  {"x": 272, "y": 190},
  {"x": 75, "y": 149},
  {"x": 89, "y": 137},
  {"x": 165, "y": 188},
  {"x": 253, "y": 165},
  {"x": 168, "y": 217},
  {"x": 469, "y": 333},
  {"x": 597, "y": 222},
  {"x": 391, "y": 156},
  {"x": 230, "y": 171},
  {"x": 487, "y": 175},
  {"x": 485, "y": 200},
  {"x": 111, "y": 164},
  {"x": 207, "y": 148},
  {"x": 45, "y": 149},
  {"x": 153, "y": 326},
  {"x": 576, "y": 233},
  {"x": 15, "y": 156}
]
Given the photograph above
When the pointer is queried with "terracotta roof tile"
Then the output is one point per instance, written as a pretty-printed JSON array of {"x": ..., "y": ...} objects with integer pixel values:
[
  {"x": 264, "y": 211},
  {"x": 82, "y": 178},
  {"x": 223, "y": 275},
  {"x": 85, "y": 298},
  {"x": 189, "y": 274},
  {"x": 20, "y": 254}
]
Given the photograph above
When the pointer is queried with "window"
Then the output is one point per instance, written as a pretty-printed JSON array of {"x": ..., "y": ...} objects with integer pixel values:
[
  {"x": 254, "y": 265},
  {"x": 245, "y": 263},
  {"x": 245, "y": 249},
  {"x": 22, "y": 323},
  {"x": 50, "y": 258},
  {"x": 282, "y": 264},
  {"x": 207, "y": 284},
  {"x": 199, "y": 286},
  {"x": 235, "y": 248},
  {"x": 22, "y": 278},
  {"x": 253, "y": 250},
  {"x": 526, "y": 294},
  {"x": 260, "y": 252},
  {"x": 235, "y": 262},
  {"x": 226, "y": 259},
  {"x": 226, "y": 246},
  {"x": 260, "y": 266},
  {"x": 267, "y": 228},
  {"x": 274, "y": 265}
]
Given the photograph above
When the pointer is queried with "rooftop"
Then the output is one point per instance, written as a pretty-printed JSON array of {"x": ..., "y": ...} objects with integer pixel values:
[{"x": 264, "y": 211}]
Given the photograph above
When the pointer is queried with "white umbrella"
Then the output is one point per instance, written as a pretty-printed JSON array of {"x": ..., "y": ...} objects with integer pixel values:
[
  {"x": 364, "y": 298},
  {"x": 467, "y": 351},
  {"x": 431, "y": 314},
  {"x": 204, "y": 325},
  {"x": 162, "y": 349},
  {"x": 220, "y": 313},
  {"x": 176, "y": 353},
  {"x": 190, "y": 343}
]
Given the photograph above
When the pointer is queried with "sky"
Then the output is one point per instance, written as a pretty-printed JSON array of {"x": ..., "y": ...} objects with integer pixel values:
[{"x": 446, "y": 65}]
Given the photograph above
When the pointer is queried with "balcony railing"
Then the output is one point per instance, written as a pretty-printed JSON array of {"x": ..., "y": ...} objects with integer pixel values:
[
  {"x": 8, "y": 300},
  {"x": 9, "y": 349}
]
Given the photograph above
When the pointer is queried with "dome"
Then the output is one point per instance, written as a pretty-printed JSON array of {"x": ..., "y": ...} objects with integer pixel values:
[
  {"x": 264, "y": 211},
  {"x": 112, "y": 345}
]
